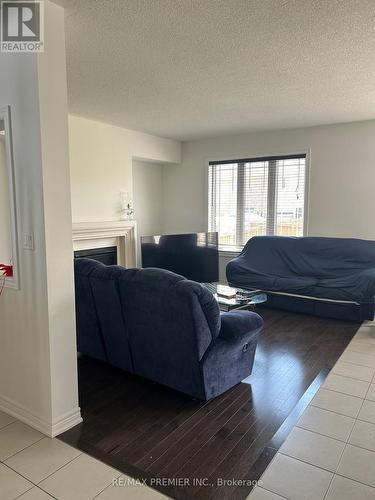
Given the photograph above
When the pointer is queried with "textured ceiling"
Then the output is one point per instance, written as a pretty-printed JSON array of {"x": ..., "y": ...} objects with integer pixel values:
[{"x": 193, "y": 68}]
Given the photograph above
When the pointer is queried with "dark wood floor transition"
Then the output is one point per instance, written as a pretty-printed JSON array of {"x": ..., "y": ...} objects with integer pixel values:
[{"x": 151, "y": 432}]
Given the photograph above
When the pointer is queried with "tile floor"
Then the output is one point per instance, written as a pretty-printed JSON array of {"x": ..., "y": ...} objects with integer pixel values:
[
  {"x": 34, "y": 467},
  {"x": 330, "y": 454}
]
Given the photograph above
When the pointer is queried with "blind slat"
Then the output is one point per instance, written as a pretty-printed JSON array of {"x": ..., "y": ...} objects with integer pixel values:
[{"x": 256, "y": 197}]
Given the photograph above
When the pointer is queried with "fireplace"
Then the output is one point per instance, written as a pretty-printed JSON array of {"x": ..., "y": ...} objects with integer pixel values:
[
  {"x": 109, "y": 242},
  {"x": 106, "y": 255}
]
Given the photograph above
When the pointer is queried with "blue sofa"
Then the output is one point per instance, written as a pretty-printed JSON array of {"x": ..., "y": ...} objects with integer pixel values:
[
  {"x": 331, "y": 277},
  {"x": 163, "y": 327}
]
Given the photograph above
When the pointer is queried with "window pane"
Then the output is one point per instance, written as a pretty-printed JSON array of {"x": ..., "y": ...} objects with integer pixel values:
[
  {"x": 255, "y": 206},
  {"x": 256, "y": 197},
  {"x": 223, "y": 202},
  {"x": 290, "y": 197}
]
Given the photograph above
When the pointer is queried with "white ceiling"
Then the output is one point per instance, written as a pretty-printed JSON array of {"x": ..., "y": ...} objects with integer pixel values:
[{"x": 187, "y": 69}]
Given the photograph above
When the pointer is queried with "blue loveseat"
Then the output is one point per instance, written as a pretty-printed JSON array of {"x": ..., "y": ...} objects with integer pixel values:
[
  {"x": 163, "y": 327},
  {"x": 331, "y": 277}
]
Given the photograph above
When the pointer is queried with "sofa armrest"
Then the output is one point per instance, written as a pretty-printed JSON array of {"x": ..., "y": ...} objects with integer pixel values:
[{"x": 237, "y": 326}]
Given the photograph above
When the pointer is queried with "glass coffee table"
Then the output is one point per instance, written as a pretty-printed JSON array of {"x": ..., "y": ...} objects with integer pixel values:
[{"x": 230, "y": 298}]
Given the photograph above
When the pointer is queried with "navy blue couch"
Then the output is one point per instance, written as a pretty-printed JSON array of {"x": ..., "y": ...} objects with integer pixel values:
[
  {"x": 331, "y": 277},
  {"x": 163, "y": 327}
]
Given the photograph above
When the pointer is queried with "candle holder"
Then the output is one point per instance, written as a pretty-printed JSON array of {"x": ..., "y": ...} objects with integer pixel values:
[{"x": 126, "y": 207}]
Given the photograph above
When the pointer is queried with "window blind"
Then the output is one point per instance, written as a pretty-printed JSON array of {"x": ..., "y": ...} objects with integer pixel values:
[{"x": 259, "y": 196}]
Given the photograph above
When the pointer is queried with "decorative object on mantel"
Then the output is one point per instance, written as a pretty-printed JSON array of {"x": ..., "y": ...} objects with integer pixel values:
[
  {"x": 126, "y": 206},
  {"x": 6, "y": 272}
]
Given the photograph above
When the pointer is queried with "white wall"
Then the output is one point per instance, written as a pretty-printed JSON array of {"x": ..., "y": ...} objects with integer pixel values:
[
  {"x": 5, "y": 236},
  {"x": 148, "y": 198},
  {"x": 101, "y": 165},
  {"x": 342, "y": 182},
  {"x": 38, "y": 375},
  {"x": 53, "y": 105}
]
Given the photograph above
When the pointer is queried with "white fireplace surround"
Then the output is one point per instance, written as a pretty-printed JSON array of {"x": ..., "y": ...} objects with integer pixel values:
[{"x": 122, "y": 234}]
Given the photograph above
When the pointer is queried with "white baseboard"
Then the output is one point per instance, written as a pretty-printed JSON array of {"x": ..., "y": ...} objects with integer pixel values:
[
  {"x": 66, "y": 421},
  {"x": 50, "y": 429}
]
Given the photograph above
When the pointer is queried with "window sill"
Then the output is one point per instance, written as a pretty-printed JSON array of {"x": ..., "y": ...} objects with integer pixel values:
[{"x": 225, "y": 251}]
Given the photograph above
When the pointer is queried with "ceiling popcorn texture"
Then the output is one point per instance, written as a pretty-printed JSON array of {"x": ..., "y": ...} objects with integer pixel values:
[{"x": 187, "y": 69}]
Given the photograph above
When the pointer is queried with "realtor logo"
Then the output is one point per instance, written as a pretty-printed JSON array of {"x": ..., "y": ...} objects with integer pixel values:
[{"x": 22, "y": 26}]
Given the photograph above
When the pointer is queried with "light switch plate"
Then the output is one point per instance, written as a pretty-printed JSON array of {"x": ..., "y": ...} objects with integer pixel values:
[{"x": 28, "y": 241}]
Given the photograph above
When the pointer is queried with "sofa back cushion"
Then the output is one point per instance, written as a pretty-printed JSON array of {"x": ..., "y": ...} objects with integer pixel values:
[
  {"x": 171, "y": 322},
  {"x": 101, "y": 327},
  {"x": 308, "y": 256},
  {"x": 89, "y": 336}
]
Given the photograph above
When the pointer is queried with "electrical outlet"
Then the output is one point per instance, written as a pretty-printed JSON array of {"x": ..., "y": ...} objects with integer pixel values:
[{"x": 28, "y": 241}]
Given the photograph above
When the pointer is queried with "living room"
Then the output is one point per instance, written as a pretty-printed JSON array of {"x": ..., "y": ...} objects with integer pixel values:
[{"x": 234, "y": 139}]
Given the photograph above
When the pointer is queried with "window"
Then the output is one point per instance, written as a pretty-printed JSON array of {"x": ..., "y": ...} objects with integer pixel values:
[{"x": 253, "y": 197}]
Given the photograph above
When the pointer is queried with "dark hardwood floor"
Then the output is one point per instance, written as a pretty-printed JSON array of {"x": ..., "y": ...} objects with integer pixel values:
[{"x": 206, "y": 449}]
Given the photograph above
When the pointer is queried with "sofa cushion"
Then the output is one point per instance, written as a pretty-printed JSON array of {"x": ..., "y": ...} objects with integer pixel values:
[
  {"x": 89, "y": 335},
  {"x": 101, "y": 289},
  {"x": 166, "y": 321}
]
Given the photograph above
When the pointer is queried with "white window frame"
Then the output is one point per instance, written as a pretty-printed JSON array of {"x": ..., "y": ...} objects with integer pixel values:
[{"x": 231, "y": 250}]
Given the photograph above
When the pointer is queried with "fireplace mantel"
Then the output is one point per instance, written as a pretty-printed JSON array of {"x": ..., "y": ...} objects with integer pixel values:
[{"x": 100, "y": 234}]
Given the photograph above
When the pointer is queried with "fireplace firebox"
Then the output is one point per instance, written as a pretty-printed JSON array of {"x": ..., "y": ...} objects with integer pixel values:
[{"x": 107, "y": 255}]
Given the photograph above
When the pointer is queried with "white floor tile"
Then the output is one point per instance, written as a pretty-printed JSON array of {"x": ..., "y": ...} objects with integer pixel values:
[
  {"x": 368, "y": 322},
  {"x": 362, "y": 346},
  {"x": 367, "y": 412},
  {"x": 346, "y": 385},
  {"x": 313, "y": 448},
  {"x": 5, "y": 419},
  {"x": 326, "y": 422},
  {"x": 125, "y": 489},
  {"x": 371, "y": 393},
  {"x": 365, "y": 334},
  {"x": 259, "y": 493},
  {"x": 345, "y": 489},
  {"x": 296, "y": 480},
  {"x": 81, "y": 479},
  {"x": 12, "y": 484},
  {"x": 354, "y": 371},
  {"x": 42, "y": 459},
  {"x": 35, "y": 494},
  {"x": 358, "y": 358},
  {"x": 363, "y": 435},
  {"x": 338, "y": 402},
  {"x": 358, "y": 464},
  {"x": 15, "y": 437}
]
